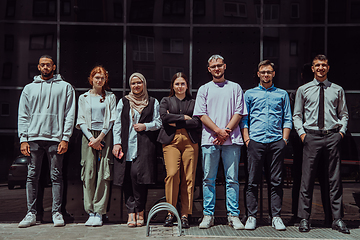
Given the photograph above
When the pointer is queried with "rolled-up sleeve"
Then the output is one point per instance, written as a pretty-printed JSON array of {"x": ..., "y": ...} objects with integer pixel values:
[
  {"x": 155, "y": 124},
  {"x": 287, "y": 119}
]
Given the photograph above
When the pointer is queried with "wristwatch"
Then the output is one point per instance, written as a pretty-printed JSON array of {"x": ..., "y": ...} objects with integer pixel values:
[{"x": 286, "y": 140}]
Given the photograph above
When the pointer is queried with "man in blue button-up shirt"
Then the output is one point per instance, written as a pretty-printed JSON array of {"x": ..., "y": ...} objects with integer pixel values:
[{"x": 265, "y": 131}]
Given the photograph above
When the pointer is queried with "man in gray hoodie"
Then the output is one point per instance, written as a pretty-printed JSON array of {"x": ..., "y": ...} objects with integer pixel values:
[{"x": 45, "y": 124}]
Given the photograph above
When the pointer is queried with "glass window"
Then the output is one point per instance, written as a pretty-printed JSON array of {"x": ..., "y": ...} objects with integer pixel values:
[
  {"x": 174, "y": 7},
  {"x": 141, "y": 11},
  {"x": 168, "y": 72},
  {"x": 173, "y": 45},
  {"x": 225, "y": 12},
  {"x": 241, "y": 54},
  {"x": 143, "y": 48},
  {"x": 84, "y": 47},
  {"x": 354, "y": 11},
  {"x": 271, "y": 12},
  {"x": 65, "y": 7},
  {"x": 118, "y": 10},
  {"x": 7, "y": 70},
  {"x": 199, "y": 7},
  {"x": 162, "y": 39},
  {"x": 19, "y": 39},
  {"x": 41, "y": 41},
  {"x": 295, "y": 10},
  {"x": 44, "y": 8},
  {"x": 343, "y": 53},
  {"x": 309, "y": 42},
  {"x": 10, "y": 8},
  {"x": 9, "y": 43},
  {"x": 235, "y": 9},
  {"x": 92, "y": 11},
  {"x": 293, "y": 48}
]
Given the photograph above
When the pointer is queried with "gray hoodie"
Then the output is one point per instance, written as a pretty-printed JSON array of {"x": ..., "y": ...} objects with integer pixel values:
[{"x": 46, "y": 110}]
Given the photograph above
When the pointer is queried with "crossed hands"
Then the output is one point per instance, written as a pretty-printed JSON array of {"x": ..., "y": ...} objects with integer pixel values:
[
  {"x": 95, "y": 143},
  {"x": 221, "y": 136}
]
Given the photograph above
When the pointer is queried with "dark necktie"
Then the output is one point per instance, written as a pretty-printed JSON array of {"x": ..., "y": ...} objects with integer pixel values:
[{"x": 321, "y": 107}]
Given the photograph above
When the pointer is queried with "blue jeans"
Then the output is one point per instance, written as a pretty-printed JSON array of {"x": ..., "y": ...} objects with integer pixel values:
[
  {"x": 38, "y": 149},
  {"x": 230, "y": 155}
]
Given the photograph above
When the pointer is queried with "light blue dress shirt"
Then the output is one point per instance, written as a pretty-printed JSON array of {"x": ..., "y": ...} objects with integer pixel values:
[
  {"x": 268, "y": 113},
  {"x": 154, "y": 125}
]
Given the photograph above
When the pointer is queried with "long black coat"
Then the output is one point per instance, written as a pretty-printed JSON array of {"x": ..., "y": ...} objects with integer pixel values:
[
  {"x": 167, "y": 132},
  {"x": 145, "y": 162}
]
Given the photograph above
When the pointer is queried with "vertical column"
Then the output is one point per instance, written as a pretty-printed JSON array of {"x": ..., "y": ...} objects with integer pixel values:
[
  {"x": 191, "y": 45},
  {"x": 58, "y": 37},
  {"x": 124, "y": 46}
]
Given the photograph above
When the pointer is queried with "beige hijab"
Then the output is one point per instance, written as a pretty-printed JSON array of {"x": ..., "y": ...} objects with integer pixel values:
[{"x": 138, "y": 101}]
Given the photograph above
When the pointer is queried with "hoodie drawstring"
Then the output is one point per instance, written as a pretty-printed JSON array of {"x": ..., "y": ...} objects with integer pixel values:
[
  {"x": 50, "y": 95},
  {"x": 41, "y": 84}
]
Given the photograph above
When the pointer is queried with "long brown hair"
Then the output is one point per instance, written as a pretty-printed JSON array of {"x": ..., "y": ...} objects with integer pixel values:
[
  {"x": 94, "y": 71},
  {"x": 178, "y": 75}
]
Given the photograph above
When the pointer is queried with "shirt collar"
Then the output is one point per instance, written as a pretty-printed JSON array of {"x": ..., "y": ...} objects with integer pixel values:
[
  {"x": 269, "y": 89},
  {"x": 326, "y": 82}
]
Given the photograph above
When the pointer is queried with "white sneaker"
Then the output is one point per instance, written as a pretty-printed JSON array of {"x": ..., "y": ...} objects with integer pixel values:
[
  {"x": 90, "y": 220},
  {"x": 29, "y": 220},
  {"x": 278, "y": 224},
  {"x": 250, "y": 223},
  {"x": 207, "y": 222},
  {"x": 97, "y": 220},
  {"x": 235, "y": 222},
  {"x": 58, "y": 219}
]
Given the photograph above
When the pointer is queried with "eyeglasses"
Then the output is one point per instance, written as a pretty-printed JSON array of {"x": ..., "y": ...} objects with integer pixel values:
[
  {"x": 216, "y": 66},
  {"x": 265, "y": 72},
  {"x": 45, "y": 64}
]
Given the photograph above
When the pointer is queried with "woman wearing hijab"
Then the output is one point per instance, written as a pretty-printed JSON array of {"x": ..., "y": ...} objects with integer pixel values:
[
  {"x": 135, "y": 146},
  {"x": 179, "y": 136},
  {"x": 96, "y": 115}
]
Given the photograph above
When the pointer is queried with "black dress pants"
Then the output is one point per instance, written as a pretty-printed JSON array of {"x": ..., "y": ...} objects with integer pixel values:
[
  {"x": 271, "y": 157},
  {"x": 318, "y": 146},
  {"x": 135, "y": 193}
]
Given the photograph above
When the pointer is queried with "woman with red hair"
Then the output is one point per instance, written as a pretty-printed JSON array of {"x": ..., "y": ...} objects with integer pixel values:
[{"x": 96, "y": 116}]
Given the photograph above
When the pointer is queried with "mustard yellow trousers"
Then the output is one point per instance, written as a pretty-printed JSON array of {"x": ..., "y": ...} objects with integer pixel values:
[{"x": 180, "y": 157}]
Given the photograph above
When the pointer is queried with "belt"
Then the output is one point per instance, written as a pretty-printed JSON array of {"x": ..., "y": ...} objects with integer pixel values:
[{"x": 322, "y": 132}]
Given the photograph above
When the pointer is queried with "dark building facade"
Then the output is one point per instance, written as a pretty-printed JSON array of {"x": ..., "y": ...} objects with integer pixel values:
[{"x": 161, "y": 37}]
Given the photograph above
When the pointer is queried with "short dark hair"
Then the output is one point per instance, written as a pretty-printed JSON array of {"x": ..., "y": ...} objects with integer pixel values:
[
  {"x": 320, "y": 57},
  {"x": 266, "y": 63},
  {"x": 47, "y": 56}
]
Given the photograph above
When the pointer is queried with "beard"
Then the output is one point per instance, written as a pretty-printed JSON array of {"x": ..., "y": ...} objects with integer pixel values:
[
  {"x": 218, "y": 76},
  {"x": 46, "y": 75}
]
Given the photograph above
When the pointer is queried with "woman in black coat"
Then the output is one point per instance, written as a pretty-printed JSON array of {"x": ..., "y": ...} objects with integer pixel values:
[{"x": 179, "y": 136}]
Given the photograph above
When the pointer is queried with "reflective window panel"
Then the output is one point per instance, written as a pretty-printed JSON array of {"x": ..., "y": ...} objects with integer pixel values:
[
  {"x": 84, "y": 47},
  {"x": 110, "y": 11},
  {"x": 158, "y": 53},
  {"x": 21, "y": 47},
  {"x": 290, "y": 48},
  {"x": 346, "y": 12},
  {"x": 239, "y": 47},
  {"x": 343, "y": 54}
]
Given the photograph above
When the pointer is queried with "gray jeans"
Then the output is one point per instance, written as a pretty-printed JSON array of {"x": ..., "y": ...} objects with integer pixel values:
[{"x": 37, "y": 151}]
